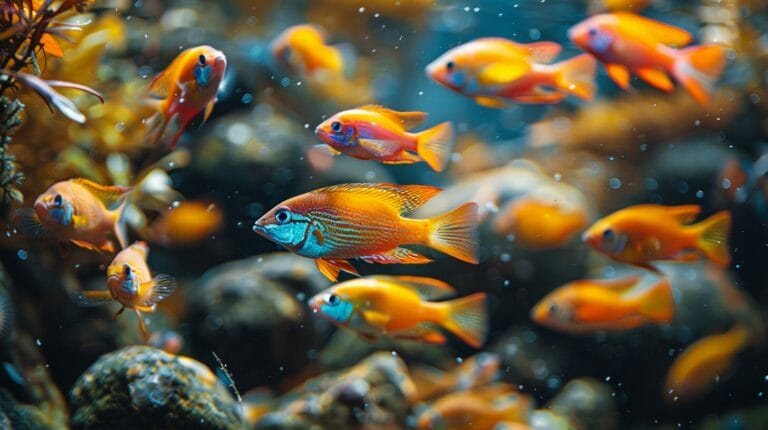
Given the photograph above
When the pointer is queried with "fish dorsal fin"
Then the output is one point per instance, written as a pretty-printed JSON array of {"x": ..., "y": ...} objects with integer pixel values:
[
  {"x": 543, "y": 52},
  {"x": 426, "y": 288},
  {"x": 658, "y": 31},
  {"x": 403, "y": 198},
  {"x": 618, "y": 284},
  {"x": 407, "y": 119},
  {"x": 684, "y": 214},
  {"x": 108, "y": 194},
  {"x": 502, "y": 73}
]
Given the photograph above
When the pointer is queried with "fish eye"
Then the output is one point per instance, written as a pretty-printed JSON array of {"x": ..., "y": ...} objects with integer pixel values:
[
  {"x": 201, "y": 60},
  {"x": 450, "y": 65},
  {"x": 58, "y": 201},
  {"x": 282, "y": 216},
  {"x": 336, "y": 127},
  {"x": 127, "y": 270},
  {"x": 332, "y": 299},
  {"x": 608, "y": 234},
  {"x": 552, "y": 309},
  {"x": 592, "y": 31}
]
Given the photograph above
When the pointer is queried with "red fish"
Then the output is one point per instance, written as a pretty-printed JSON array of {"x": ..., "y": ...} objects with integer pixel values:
[
  {"x": 377, "y": 133},
  {"x": 626, "y": 43},
  {"x": 187, "y": 87},
  {"x": 340, "y": 222}
]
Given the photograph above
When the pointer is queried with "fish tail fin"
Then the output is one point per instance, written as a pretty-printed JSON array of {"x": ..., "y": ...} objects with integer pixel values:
[
  {"x": 454, "y": 233},
  {"x": 713, "y": 237},
  {"x": 121, "y": 232},
  {"x": 697, "y": 68},
  {"x": 576, "y": 76},
  {"x": 467, "y": 318},
  {"x": 435, "y": 145},
  {"x": 658, "y": 303}
]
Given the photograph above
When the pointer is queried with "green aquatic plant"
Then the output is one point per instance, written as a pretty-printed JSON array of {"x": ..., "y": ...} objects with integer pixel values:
[{"x": 28, "y": 35}]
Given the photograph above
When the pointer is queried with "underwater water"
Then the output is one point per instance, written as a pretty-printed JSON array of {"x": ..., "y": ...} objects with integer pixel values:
[{"x": 383, "y": 214}]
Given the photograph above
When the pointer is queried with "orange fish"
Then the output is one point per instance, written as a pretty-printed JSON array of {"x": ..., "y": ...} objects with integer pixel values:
[
  {"x": 479, "y": 409},
  {"x": 643, "y": 233},
  {"x": 475, "y": 371},
  {"x": 186, "y": 224},
  {"x": 131, "y": 284},
  {"x": 302, "y": 49},
  {"x": 536, "y": 224},
  {"x": 626, "y": 43},
  {"x": 591, "y": 305},
  {"x": 187, "y": 87},
  {"x": 695, "y": 370},
  {"x": 79, "y": 211},
  {"x": 402, "y": 307},
  {"x": 377, "y": 133},
  {"x": 494, "y": 70},
  {"x": 340, "y": 222}
]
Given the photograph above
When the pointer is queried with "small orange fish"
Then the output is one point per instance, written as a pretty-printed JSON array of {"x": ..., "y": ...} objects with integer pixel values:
[
  {"x": 494, "y": 70},
  {"x": 536, "y": 224},
  {"x": 377, "y": 133},
  {"x": 131, "y": 284},
  {"x": 340, "y": 222},
  {"x": 187, "y": 87},
  {"x": 79, "y": 211},
  {"x": 475, "y": 371},
  {"x": 302, "y": 49},
  {"x": 186, "y": 224},
  {"x": 401, "y": 307},
  {"x": 626, "y": 43},
  {"x": 697, "y": 368},
  {"x": 591, "y": 305},
  {"x": 479, "y": 409},
  {"x": 643, "y": 233}
]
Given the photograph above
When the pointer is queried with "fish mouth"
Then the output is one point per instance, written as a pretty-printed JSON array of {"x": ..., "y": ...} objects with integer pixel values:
[{"x": 260, "y": 229}]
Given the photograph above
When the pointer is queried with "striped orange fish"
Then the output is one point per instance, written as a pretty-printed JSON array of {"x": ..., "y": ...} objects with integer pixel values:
[{"x": 366, "y": 221}]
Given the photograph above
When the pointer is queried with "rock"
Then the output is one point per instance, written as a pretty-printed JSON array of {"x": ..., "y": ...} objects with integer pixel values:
[
  {"x": 143, "y": 387},
  {"x": 260, "y": 299},
  {"x": 373, "y": 394},
  {"x": 587, "y": 404}
]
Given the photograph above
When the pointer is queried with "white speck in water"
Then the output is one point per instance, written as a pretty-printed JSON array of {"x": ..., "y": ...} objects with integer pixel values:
[
  {"x": 38, "y": 342},
  {"x": 361, "y": 10},
  {"x": 726, "y": 183},
  {"x": 614, "y": 183}
]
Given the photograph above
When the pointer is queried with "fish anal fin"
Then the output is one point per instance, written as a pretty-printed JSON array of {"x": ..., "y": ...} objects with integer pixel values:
[
  {"x": 403, "y": 198},
  {"x": 426, "y": 288},
  {"x": 619, "y": 74},
  {"x": 490, "y": 102},
  {"x": 407, "y": 119},
  {"x": 503, "y": 73},
  {"x": 397, "y": 256},
  {"x": 381, "y": 147},
  {"x": 656, "y": 78},
  {"x": 402, "y": 157}
]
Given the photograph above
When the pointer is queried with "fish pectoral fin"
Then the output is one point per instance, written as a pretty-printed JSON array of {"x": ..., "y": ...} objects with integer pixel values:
[
  {"x": 162, "y": 286},
  {"x": 331, "y": 268},
  {"x": 90, "y": 298},
  {"x": 656, "y": 78},
  {"x": 79, "y": 221},
  {"x": 27, "y": 222},
  {"x": 490, "y": 102},
  {"x": 407, "y": 119},
  {"x": 325, "y": 149},
  {"x": 397, "y": 256},
  {"x": 108, "y": 194},
  {"x": 376, "y": 318},
  {"x": 426, "y": 288},
  {"x": 502, "y": 73},
  {"x": 381, "y": 147},
  {"x": 619, "y": 74}
]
